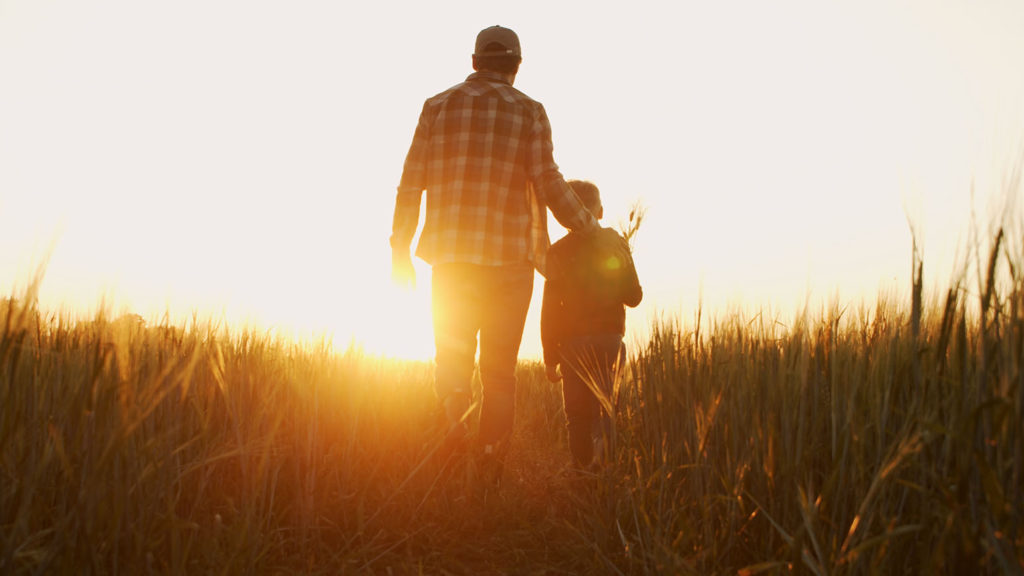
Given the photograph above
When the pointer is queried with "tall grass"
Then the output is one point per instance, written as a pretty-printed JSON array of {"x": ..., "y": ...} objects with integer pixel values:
[
  {"x": 878, "y": 440},
  {"x": 189, "y": 449},
  {"x": 885, "y": 440}
]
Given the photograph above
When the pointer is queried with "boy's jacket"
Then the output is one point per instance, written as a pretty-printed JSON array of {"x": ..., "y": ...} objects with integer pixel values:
[{"x": 590, "y": 278}]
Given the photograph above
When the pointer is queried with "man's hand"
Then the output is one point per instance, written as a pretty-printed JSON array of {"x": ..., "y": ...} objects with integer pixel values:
[
  {"x": 402, "y": 272},
  {"x": 552, "y": 373}
]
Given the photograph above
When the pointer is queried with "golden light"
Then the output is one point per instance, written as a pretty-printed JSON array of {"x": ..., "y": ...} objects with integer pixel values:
[
  {"x": 232, "y": 158},
  {"x": 400, "y": 328}
]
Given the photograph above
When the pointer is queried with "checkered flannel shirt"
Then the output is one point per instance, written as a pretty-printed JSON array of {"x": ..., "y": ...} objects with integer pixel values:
[{"x": 482, "y": 151}]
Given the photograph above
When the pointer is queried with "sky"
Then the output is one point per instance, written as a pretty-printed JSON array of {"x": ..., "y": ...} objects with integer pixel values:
[{"x": 238, "y": 160}]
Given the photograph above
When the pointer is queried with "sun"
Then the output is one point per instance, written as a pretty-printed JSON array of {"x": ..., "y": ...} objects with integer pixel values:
[{"x": 399, "y": 327}]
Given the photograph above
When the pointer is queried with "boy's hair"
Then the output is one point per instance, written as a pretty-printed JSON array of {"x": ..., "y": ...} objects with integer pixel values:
[{"x": 588, "y": 194}]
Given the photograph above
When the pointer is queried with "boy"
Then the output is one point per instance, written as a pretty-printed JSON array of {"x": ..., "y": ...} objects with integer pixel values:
[{"x": 590, "y": 280}]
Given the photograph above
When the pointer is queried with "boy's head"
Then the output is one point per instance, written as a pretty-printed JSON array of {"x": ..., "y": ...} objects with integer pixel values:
[{"x": 589, "y": 195}]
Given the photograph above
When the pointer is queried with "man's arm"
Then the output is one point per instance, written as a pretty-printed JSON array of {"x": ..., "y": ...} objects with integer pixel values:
[
  {"x": 403, "y": 227},
  {"x": 551, "y": 187},
  {"x": 411, "y": 186},
  {"x": 564, "y": 204},
  {"x": 407, "y": 205}
]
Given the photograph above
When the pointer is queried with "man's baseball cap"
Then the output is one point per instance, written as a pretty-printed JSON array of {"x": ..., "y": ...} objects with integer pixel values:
[{"x": 497, "y": 35}]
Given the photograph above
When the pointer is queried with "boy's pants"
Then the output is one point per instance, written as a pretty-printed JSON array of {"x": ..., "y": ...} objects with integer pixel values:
[
  {"x": 587, "y": 361},
  {"x": 490, "y": 300}
]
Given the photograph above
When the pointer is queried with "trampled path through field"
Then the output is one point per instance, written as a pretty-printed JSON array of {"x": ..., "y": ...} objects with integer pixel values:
[{"x": 538, "y": 520}]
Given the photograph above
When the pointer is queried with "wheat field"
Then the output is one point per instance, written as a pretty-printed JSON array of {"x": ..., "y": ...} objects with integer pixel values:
[{"x": 882, "y": 439}]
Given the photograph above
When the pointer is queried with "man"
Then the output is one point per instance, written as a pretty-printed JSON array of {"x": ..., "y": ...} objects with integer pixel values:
[{"x": 482, "y": 151}]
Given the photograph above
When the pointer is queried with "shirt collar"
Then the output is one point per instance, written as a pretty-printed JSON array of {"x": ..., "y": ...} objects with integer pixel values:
[{"x": 488, "y": 75}]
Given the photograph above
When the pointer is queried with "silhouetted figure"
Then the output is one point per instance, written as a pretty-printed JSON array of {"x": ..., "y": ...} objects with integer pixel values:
[
  {"x": 590, "y": 280},
  {"x": 482, "y": 151}
]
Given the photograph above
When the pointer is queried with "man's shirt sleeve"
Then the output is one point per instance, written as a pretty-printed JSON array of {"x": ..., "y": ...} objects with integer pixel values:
[
  {"x": 412, "y": 184},
  {"x": 548, "y": 181}
]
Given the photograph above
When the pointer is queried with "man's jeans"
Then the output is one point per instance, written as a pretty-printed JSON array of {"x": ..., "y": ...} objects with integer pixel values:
[
  {"x": 589, "y": 364},
  {"x": 469, "y": 299}
]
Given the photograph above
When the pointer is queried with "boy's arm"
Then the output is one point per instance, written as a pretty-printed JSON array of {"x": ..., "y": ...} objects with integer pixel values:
[
  {"x": 632, "y": 293},
  {"x": 550, "y": 324}
]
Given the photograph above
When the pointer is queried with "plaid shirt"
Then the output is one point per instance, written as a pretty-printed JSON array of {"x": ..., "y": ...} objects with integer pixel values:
[{"x": 482, "y": 150}]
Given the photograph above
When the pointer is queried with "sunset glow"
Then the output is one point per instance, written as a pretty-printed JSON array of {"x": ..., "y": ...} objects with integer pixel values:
[{"x": 239, "y": 160}]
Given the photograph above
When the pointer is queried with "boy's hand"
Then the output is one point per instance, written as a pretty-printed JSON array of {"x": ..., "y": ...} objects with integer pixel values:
[
  {"x": 552, "y": 373},
  {"x": 402, "y": 272}
]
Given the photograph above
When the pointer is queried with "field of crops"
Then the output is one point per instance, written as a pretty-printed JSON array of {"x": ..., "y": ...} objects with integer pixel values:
[{"x": 881, "y": 439}]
